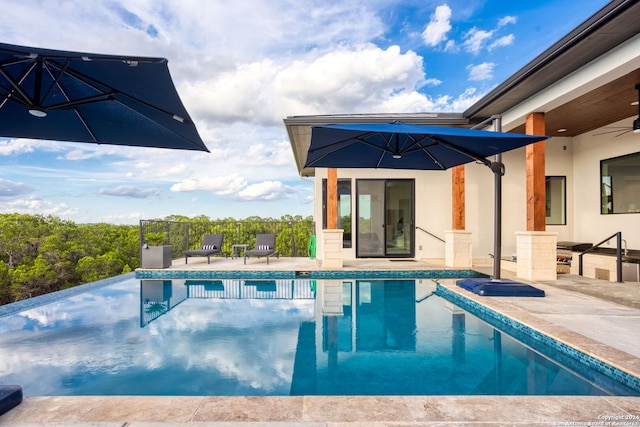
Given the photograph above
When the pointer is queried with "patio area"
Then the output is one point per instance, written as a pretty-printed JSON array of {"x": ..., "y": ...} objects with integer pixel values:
[{"x": 602, "y": 319}]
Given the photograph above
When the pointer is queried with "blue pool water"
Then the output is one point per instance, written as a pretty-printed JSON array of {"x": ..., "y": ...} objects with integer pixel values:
[{"x": 271, "y": 337}]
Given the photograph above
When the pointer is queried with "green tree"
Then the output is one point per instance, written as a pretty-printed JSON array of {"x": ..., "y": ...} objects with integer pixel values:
[
  {"x": 34, "y": 279},
  {"x": 103, "y": 266}
]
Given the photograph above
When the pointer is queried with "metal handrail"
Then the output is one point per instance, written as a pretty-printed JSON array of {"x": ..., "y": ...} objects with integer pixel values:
[
  {"x": 618, "y": 237},
  {"x": 430, "y": 234}
]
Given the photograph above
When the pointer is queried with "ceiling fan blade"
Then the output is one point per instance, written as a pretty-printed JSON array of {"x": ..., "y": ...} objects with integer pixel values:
[
  {"x": 623, "y": 132},
  {"x": 624, "y": 129}
]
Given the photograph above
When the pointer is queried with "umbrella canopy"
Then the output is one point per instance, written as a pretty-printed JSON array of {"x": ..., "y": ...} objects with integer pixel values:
[
  {"x": 399, "y": 145},
  {"x": 85, "y": 97}
]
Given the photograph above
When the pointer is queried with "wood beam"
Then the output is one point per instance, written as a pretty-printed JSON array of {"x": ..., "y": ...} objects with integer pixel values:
[
  {"x": 457, "y": 203},
  {"x": 332, "y": 198},
  {"x": 535, "y": 161}
]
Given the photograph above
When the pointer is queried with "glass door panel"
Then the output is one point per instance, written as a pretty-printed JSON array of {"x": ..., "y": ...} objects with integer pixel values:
[
  {"x": 399, "y": 217},
  {"x": 371, "y": 236},
  {"x": 385, "y": 218}
]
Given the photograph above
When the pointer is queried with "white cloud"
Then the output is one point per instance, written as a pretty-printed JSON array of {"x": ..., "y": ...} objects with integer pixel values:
[
  {"x": 267, "y": 190},
  {"x": 130, "y": 191},
  {"x": 507, "y": 20},
  {"x": 476, "y": 39},
  {"x": 480, "y": 72},
  {"x": 36, "y": 206},
  {"x": 502, "y": 41},
  {"x": 11, "y": 147},
  {"x": 465, "y": 100},
  {"x": 344, "y": 80},
  {"x": 221, "y": 185},
  {"x": 451, "y": 46},
  {"x": 436, "y": 30},
  {"x": 14, "y": 189}
]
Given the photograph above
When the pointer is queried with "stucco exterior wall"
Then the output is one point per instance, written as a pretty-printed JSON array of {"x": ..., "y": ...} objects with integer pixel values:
[{"x": 589, "y": 149}]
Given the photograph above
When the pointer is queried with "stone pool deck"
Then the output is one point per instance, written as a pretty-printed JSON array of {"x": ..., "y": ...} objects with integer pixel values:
[{"x": 599, "y": 318}]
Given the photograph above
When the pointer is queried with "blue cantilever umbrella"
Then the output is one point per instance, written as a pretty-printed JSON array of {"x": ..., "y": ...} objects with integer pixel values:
[
  {"x": 85, "y": 97},
  {"x": 400, "y": 145}
]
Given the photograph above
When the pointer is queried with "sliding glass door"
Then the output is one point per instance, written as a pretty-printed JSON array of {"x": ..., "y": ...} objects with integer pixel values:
[{"x": 385, "y": 218}]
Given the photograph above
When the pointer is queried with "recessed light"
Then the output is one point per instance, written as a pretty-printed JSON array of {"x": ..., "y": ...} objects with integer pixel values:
[
  {"x": 634, "y": 103},
  {"x": 561, "y": 130}
]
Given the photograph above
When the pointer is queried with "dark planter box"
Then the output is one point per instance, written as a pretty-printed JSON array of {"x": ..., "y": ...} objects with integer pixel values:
[{"x": 156, "y": 257}]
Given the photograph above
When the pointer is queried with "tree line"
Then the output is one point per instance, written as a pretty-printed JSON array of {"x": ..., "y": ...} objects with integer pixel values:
[{"x": 42, "y": 254}]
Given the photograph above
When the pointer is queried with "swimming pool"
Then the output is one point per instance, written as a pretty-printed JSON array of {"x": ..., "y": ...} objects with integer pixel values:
[{"x": 237, "y": 336}]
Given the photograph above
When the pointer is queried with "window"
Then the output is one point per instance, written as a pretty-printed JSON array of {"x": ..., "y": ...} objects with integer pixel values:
[
  {"x": 620, "y": 185},
  {"x": 556, "y": 190},
  {"x": 344, "y": 208}
]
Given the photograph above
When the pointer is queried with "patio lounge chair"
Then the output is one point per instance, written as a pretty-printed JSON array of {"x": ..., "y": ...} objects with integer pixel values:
[
  {"x": 211, "y": 245},
  {"x": 265, "y": 246}
]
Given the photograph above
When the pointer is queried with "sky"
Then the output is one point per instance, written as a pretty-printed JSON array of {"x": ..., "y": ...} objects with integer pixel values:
[{"x": 240, "y": 67}]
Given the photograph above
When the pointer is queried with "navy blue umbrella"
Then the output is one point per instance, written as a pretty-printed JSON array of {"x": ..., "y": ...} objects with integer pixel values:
[
  {"x": 400, "y": 145},
  {"x": 85, "y": 97}
]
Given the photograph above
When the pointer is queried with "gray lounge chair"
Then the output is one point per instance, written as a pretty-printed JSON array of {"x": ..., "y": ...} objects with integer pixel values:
[
  {"x": 265, "y": 247},
  {"x": 211, "y": 245}
]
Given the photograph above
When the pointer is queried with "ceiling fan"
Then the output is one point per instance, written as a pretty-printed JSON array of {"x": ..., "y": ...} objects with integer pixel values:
[{"x": 621, "y": 130}]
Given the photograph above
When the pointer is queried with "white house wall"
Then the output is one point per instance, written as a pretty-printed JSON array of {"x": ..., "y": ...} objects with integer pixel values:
[{"x": 589, "y": 150}]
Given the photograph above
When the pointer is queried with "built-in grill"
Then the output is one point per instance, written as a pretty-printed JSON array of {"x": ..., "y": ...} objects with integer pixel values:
[{"x": 565, "y": 250}]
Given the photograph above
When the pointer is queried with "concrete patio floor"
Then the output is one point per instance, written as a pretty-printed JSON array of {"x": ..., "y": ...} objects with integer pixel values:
[{"x": 598, "y": 317}]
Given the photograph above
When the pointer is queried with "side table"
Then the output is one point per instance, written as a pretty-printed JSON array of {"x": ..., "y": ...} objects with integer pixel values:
[{"x": 235, "y": 250}]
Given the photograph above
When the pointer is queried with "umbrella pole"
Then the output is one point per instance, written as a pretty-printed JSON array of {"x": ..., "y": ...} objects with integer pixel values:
[{"x": 497, "y": 216}]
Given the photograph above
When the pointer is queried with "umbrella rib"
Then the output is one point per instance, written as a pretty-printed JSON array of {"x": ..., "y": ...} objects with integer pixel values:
[
  {"x": 313, "y": 150},
  {"x": 56, "y": 78},
  {"x": 461, "y": 150},
  {"x": 425, "y": 149},
  {"x": 93, "y": 83},
  {"x": 496, "y": 167},
  {"x": 26, "y": 100}
]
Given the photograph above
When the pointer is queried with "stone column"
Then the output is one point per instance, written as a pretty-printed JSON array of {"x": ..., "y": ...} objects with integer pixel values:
[
  {"x": 332, "y": 248},
  {"x": 537, "y": 255},
  {"x": 457, "y": 249}
]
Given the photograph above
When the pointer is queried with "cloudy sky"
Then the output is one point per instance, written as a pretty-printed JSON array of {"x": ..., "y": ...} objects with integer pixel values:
[{"x": 240, "y": 67}]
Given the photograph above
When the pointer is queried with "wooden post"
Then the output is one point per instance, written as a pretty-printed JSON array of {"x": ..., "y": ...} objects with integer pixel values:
[
  {"x": 535, "y": 162},
  {"x": 458, "y": 206},
  {"x": 332, "y": 198}
]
